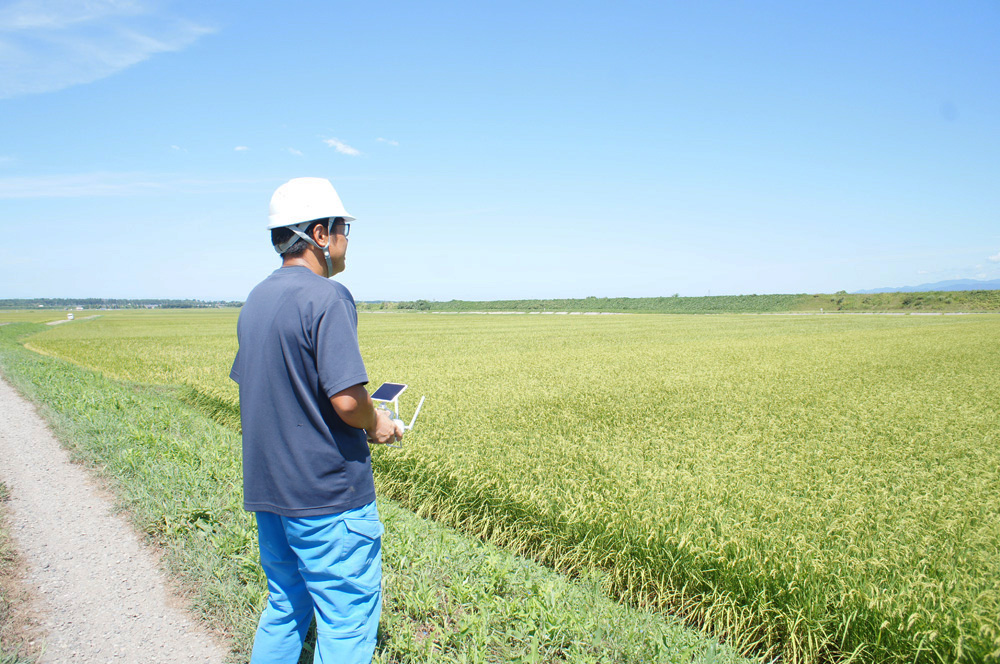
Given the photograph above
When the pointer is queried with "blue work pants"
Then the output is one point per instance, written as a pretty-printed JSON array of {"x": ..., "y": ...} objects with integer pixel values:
[{"x": 328, "y": 566}]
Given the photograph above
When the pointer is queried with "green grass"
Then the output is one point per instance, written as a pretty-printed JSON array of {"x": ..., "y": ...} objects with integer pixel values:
[
  {"x": 814, "y": 487},
  {"x": 13, "y": 658},
  {"x": 447, "y": 598}
]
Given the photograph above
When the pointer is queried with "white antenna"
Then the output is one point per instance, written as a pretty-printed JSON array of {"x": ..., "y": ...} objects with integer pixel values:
[{"x": 417, "y": 412}]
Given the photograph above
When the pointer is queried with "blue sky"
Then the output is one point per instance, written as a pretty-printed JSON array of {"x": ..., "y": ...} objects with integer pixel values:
[{"x": 502, "y": 150}]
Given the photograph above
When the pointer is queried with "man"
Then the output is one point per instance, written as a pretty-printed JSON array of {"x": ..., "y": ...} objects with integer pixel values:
[{"x": 307, "y": 422}]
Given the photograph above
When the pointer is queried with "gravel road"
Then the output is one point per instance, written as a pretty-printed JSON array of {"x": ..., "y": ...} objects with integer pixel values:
[{"x": 98, "y": 592}]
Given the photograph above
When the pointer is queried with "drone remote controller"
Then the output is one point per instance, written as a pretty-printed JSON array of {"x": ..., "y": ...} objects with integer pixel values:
[{"x": 386, "y": 397}]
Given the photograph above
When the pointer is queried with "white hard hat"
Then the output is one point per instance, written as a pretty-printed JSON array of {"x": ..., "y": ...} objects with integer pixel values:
[{"x": 305, "y": 199}]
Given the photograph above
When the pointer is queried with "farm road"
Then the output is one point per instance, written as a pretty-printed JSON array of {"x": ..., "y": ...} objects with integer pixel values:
[{"x": 98, "y": 593}]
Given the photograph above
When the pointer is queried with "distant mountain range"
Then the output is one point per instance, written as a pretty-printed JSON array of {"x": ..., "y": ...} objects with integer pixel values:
[{"x": 951, "y": 285}]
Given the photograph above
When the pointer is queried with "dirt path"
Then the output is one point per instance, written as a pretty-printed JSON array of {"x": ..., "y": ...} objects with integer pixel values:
[{"x": 98, "y": 593}]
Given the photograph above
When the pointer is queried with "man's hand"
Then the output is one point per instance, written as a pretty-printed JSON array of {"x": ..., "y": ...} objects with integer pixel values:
[
  {"x": 355, "y": 407},
  {"x": 386, "y": 431}
]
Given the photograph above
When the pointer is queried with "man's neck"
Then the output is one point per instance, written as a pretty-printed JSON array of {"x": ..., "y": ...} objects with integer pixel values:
[{"x": 306, "y": 260}]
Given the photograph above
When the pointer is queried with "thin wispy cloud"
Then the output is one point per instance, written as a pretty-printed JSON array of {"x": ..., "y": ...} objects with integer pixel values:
[
  {"x": 241, "y": 148},
  {"x": 102, "y": 184},
  {"x": 61, "y": 14},
  {"x": 48, "y": 45},
  {"x": 388, "y": 141},
  {"x": 342, "y": 147},
  {"x": 996, "y": 258},
  {"x": 297, "y": 153}
]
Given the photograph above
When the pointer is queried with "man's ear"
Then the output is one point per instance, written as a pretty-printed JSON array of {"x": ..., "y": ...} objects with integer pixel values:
[{"x": 319, "y": 233}]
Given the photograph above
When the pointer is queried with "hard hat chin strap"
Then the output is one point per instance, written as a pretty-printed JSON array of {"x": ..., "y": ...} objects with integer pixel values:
[{"x": 284, "y": 246}]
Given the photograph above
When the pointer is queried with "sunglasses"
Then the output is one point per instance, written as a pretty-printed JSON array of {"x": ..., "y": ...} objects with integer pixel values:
[{"x": 340, "y": 228}]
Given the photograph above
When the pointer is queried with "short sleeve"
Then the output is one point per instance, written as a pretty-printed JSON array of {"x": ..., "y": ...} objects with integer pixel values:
[
  {"x": 234, "y": 373},
  {"x": 338, "y": 357}
]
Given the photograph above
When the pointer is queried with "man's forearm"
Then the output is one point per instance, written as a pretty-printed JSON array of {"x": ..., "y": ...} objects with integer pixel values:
[{"x": 355, "y": 407}]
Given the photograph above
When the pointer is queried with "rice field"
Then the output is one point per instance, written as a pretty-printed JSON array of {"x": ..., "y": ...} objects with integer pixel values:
[{"x": 818, "y": 488}]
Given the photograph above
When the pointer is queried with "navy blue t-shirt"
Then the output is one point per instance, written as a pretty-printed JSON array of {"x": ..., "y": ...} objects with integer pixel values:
[{"x": 298, "y": 336}]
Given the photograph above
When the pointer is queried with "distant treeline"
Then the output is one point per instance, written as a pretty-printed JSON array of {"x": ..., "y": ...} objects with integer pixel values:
[
  {"x": 943, "y": 301},
  {"x": 103, "y": 303},
  {"x": 935, "y": 301}
]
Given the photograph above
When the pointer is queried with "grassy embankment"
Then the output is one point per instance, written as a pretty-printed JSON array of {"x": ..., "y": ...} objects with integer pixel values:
[
  {"x": 937, "y": 301},
  {"x": 819, "y": 487},
  {"x": 447, "y": 598}
]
